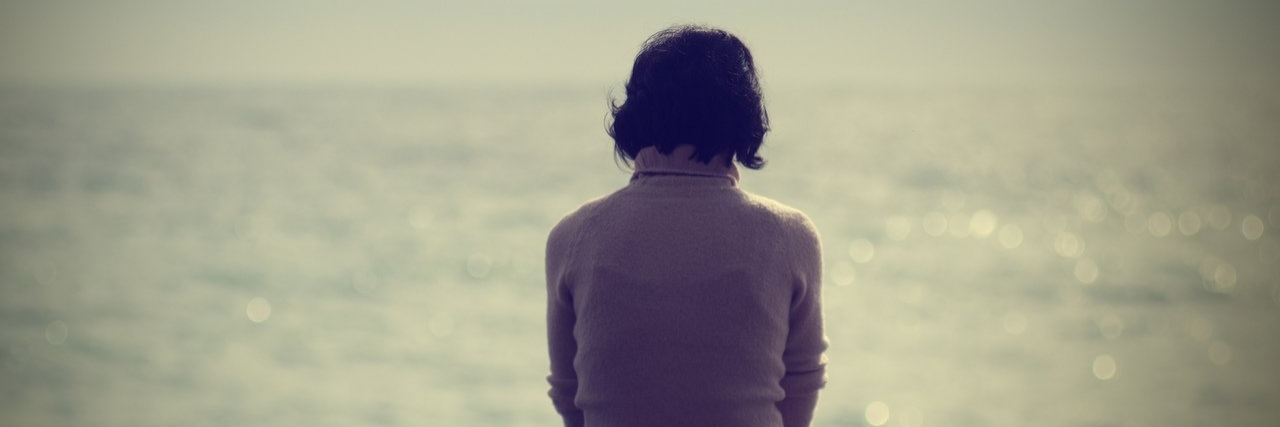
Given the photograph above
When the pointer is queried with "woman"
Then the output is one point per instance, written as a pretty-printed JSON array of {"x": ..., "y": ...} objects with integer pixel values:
[{"x": 682, "y": 300}]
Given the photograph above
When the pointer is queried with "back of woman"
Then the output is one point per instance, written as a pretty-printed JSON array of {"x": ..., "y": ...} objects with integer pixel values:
[{"x": 681, "y": 299}]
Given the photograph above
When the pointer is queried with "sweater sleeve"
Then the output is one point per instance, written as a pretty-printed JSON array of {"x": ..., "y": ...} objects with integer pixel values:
[
  {"x": 562, "y": 345},
  {"x": 804, "y": 356}
]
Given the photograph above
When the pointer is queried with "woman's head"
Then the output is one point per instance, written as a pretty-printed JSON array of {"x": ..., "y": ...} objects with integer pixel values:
[{"x": 692, "y": 85}]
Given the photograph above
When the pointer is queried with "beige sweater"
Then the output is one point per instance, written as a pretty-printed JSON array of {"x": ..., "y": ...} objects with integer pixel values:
[{"x": 681, "y": 300}]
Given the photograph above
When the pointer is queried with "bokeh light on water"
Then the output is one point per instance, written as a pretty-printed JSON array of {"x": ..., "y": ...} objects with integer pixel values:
[
  {"x": 1111, "y": 326},
  {"x": 861, "y": 251},
  {"x": 934, "y": 223},
  {"x": 1068, "y": 244},
  {"x": 877, "y": 413},
  {"x": 1189, "y": 223},
  {"x": 56, "y": 333},
  {"x": 1252, "y": 227},
  {"x": 1010, "y": 236},
  {"x": 898, "y": 228},
  {"x": 1104, "y": 367},
  {"x": 1160, "y": 224},
  {"x": 365, "y": 257},
  {"x": 258, "y": 309},
  {"x": 1086, "y": 271},
  {"x": 479, "y": 265},
  {"x": 982, "y": 224},
  {"x": 1219, "y": 217},
  {"x": 1015, "y": 323}
]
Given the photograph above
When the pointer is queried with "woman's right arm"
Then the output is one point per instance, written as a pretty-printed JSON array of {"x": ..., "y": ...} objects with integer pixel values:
[{"x": 560, "y": 322}]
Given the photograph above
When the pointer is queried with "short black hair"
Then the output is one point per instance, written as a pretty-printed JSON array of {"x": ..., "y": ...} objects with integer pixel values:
[{"x": 695, "y": 85}]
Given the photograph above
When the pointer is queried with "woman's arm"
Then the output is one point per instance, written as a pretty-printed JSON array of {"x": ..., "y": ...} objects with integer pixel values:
[
  {"x": 806, "y": 341},
  {"x": 563, "y": 348},
  {"x": 560, "y": 322}
]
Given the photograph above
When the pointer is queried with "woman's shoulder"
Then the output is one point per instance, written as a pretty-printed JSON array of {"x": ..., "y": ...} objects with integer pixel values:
[
  {"x": 794, "y": 227},
  {"x": 786, "y": 215},
  {"x": 564, "y": 235},
  {"x": 584, "y": 215},
  {"x": 575, "y": 217}
]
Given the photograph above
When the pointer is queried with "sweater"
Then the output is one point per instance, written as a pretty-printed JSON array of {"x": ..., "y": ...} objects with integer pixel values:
[{"x": 682, "y": 300}]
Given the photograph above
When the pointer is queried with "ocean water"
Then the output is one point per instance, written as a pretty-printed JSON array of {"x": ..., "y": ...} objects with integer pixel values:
[{"x": 372, "y": 257}]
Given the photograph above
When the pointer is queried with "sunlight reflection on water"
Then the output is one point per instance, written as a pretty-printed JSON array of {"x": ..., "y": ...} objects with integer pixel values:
[
  {"x": 1068, "y": 244},
  {"x": 1086, "y": 271},
  {"x": 258, "y": 310},
  {"x": 56, "y": 333},
  {"x": 1010, "y": 236},
  {"x": 898, "y": 227},
  {"x": 385, "y": 249},
  {"x": 1111, "y": 326},
  {"x": 843, "y": 273},
  {"x": 1015, "y": 323},
  {"x": 1104, "y": 367},
  {"x": 934, "y": 223},
  {"x": 982, "y": 223},
  {"x": 861, "y": 251},
  {"x": 1251, "y": 227},
  {"x": 1160, "y": 224},
  {"x": 1189, "y": 223},
  {"x": 1219, "y": 217},
  {"x": 877, "y": 413}
]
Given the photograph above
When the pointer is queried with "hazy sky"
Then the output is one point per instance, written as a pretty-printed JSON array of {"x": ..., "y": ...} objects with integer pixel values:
[{"x": 520, "y": 42}]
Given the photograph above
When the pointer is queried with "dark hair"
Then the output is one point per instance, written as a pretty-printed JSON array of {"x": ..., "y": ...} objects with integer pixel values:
[{"x": 692, "y": 85}]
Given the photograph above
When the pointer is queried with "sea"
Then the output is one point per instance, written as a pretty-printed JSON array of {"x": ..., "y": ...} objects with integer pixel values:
[{"x": 372, "y": 256}]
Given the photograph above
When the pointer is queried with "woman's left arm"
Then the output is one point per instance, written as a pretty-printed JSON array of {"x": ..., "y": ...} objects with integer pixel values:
[{"x": 804, "y": 357}]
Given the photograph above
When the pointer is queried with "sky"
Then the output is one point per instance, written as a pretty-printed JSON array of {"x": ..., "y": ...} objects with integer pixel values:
[{"x": 52, "y": 42}]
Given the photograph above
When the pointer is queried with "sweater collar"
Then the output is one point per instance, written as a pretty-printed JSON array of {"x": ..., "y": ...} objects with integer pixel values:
[{"x": 651, "y": 162}]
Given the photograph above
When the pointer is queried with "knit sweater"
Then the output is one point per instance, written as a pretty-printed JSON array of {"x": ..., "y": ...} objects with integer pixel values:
[{"x": 682, "y": 300}]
